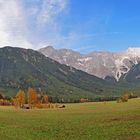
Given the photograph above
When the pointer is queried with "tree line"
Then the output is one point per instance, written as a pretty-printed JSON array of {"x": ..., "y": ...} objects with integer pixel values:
[{"x": 32, "y": 99}]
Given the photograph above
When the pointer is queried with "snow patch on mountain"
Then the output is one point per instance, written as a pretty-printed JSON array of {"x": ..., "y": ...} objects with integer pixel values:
[
  {"x": 85, "y": 59},
  {"x": 121, "y": 67}
]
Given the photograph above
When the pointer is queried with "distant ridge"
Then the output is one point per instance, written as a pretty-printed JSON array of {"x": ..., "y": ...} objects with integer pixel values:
[{"x": 99, "y": 63}]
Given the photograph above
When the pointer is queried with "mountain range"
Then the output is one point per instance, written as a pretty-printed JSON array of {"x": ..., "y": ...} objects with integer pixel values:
[
  {"x": 105, "y": 65},
  {"x": 22, "y": 68}
]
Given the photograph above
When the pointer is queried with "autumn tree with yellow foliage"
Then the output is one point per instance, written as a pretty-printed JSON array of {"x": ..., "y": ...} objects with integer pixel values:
[
  {"x": 20, "y": 98},
  {"x": 32, "y": 97}
]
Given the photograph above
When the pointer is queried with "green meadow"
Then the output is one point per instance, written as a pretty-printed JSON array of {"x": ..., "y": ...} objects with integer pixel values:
[{"x": 82, "y": 121}]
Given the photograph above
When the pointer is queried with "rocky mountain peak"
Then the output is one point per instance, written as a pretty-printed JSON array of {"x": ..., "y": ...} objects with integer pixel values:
[{"x": 133, "y": 51}]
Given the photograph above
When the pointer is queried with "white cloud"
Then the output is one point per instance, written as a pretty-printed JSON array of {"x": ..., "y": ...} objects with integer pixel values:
[
  {"x": 50, "y": 9},
  {"x": 12, "y": 24},
  {"x": 16, "y": 20}
]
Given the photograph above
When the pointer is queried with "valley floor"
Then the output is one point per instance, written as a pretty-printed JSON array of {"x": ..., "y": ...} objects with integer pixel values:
[{"x": 85, "y": 121}]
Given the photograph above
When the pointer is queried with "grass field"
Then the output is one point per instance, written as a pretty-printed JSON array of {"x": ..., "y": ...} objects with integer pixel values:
[{"x": 85, "y": 121}]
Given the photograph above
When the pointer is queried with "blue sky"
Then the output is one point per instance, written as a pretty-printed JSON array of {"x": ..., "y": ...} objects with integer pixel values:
[{"x": 82, "y": 25}]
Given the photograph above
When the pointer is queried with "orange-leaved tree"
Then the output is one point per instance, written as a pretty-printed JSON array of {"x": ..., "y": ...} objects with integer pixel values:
[
  {"x": 46, "y": 99},
  {"x": 32, "y": 97},
  {"x": 20, "y": 98}
]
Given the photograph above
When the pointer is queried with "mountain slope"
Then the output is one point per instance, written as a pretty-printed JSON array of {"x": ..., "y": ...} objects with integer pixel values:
[{"x": 21, "y": 68}]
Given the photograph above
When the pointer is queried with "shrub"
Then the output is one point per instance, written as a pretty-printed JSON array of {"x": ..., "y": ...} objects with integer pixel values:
[{"x": 123, "y": 98}]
